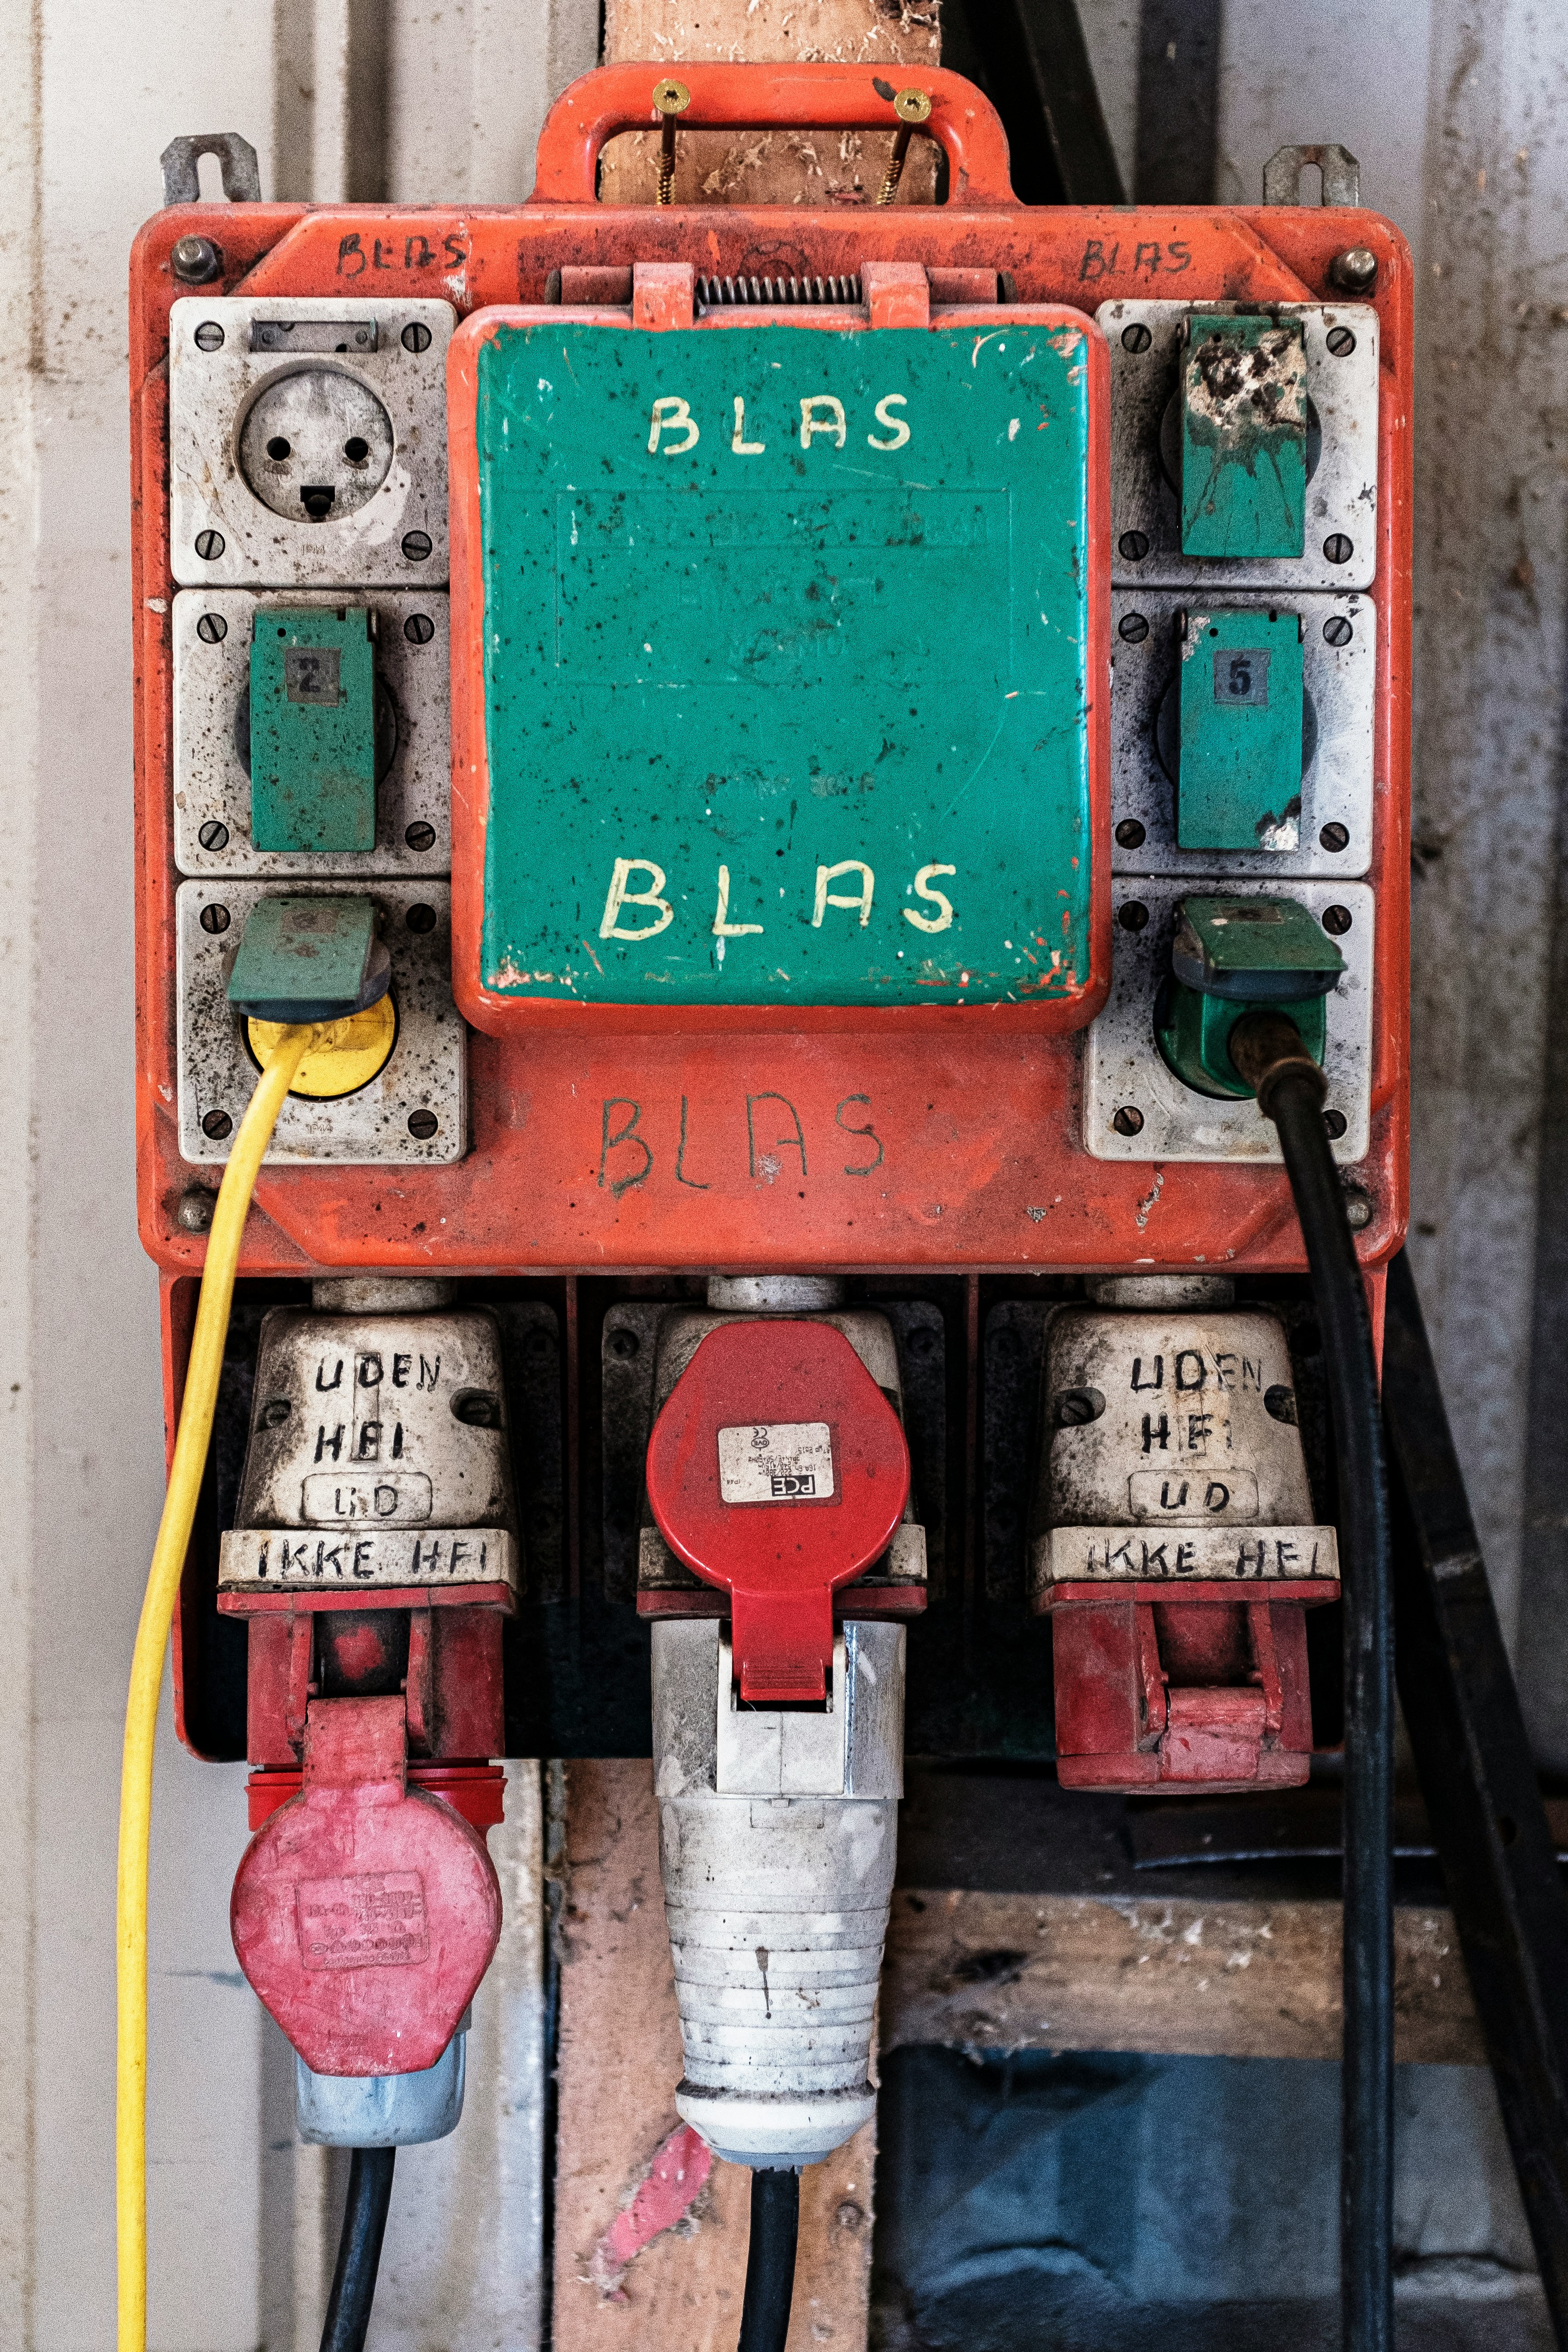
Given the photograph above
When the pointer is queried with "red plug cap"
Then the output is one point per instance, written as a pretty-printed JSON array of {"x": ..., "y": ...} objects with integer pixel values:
[
  {"x": 364, "y": 1915},
  {"x": 778, "y": 1471}
]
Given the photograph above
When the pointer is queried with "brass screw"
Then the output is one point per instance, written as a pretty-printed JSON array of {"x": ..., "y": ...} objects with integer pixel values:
[
  {"x": 910, "y": 106},
  {"x": 671, "y": 99}
]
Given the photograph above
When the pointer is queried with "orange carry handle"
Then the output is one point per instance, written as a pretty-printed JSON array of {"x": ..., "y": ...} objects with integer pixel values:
[{"x": 772, "y": 98}]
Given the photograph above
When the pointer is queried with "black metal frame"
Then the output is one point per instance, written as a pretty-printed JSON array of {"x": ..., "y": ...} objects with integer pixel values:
[{"x": 1479, "y": 1778}]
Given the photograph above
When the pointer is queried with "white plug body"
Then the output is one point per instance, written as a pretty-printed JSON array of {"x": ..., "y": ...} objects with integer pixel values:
[{"x": 778, "y": 1832}]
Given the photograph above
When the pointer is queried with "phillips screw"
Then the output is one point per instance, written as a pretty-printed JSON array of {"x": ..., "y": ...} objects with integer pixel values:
[
  {"x": 910, "y": 106},
  {"x": 671, "y": 99}
]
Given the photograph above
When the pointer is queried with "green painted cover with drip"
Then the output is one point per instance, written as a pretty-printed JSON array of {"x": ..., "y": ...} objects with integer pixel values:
[{"x": 784, "y": 660}]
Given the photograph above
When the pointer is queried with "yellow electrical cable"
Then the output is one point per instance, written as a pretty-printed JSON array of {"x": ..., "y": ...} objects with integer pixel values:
[{"x": 147, "y": 1667}]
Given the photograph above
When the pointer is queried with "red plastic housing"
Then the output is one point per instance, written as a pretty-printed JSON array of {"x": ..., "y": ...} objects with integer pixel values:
[
  {"x": 1205, "y": 1691},
  {"x": 781, "y": 1559},
  {"x": 664, "y": 1146},
  {"x": 364, "y": 1913}
]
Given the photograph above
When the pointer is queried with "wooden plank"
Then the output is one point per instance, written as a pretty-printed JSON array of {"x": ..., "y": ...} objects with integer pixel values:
[
  {"x": 1204, "y": 1979},
  {"x": 619, "y": 2065},
  {"x": 763, "y": 167}
]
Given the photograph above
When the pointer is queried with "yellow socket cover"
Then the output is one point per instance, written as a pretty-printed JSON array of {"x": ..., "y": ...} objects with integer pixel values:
[{"x": 347, "y": 1055}]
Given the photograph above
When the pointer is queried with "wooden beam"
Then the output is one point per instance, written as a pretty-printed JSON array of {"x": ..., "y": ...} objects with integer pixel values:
[
  {"x": 619, "y": 2065},
  {"x": 1204, "y": 1979},
  {"x": 767, "y": 167}
]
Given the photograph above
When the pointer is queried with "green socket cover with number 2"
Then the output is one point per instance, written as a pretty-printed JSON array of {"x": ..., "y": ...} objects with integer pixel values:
[{"x": 785, "y": 664}]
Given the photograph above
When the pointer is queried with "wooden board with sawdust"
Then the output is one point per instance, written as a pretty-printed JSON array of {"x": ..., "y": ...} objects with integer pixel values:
[
  {"x": 761, "y": 167},
  {"x": 1201, "y": 1980}
]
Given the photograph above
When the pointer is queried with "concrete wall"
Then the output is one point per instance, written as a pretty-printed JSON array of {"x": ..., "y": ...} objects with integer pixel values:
[{"x": 94, "y": 92}]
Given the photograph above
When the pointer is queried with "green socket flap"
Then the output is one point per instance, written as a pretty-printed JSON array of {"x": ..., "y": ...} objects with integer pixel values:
[
  {"x": 312, "y": 957},
  {"x": 1259, "y": 948},
  {"x": 312, "y": 729},
  {"x": 1244, "y": 436},
  {"x": 1240, "y": 774},
  {"x": 785, "y": 664}
]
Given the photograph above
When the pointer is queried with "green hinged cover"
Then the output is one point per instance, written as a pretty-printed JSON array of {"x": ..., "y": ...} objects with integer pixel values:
[
  {"x": 308, "y": 959},
  {"x": 1240, "y": 774},
  {"x": 312, "y": 729},
  {"x": 1244, "y": 436},
  {"x": 785, "y": 664}
]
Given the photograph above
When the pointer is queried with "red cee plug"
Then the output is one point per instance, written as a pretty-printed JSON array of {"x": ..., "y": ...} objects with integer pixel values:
[
  {"x": 778, "y": 1471},
  {"x": 364, "y": 1913}
]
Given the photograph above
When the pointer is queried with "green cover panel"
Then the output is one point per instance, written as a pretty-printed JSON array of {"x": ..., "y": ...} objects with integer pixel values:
[
  {"x": 1244, "y": 436},
  {"x": 779, "y": 625},
  {"x": 312, "y": 729},
  {"x": 1241, "y": 731}
]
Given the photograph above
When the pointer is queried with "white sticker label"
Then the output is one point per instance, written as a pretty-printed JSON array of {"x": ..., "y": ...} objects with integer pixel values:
[{"x": 777, "y": 1462}]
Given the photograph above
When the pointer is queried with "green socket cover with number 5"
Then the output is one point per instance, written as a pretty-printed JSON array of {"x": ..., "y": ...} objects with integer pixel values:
[
  {"x": 785, "y": 667},
  {"x": 1240, "y": 778}
]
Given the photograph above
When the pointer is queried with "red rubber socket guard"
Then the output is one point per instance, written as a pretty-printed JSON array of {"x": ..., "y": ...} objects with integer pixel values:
[{"x": 781, "y": 1560}]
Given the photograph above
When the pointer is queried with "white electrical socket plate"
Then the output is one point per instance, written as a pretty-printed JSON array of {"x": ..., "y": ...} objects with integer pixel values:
[
  {"x": 1337, "y": 789},
  {"x": 1124, "y": 1069},
  {"x": 211, "y": 786},
  {"x": 428, "y": 1064},
  {"x": 1342, "y": 494},
  {"x": 211, "y": 392}
]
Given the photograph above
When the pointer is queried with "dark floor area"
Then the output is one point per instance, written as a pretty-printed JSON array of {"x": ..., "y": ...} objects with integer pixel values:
[{"x": 1092, "y": 2202}]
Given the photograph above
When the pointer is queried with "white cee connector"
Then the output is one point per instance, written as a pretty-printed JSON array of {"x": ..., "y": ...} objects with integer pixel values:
[{"x": 778, "y": 1833}]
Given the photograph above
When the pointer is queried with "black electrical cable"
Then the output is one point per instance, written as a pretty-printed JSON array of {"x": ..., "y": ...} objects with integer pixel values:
[
  {"x": 358, "y": 2249},
  {"x": 1268, "y": 1052},
  {"x": 770, "y": 2262}
]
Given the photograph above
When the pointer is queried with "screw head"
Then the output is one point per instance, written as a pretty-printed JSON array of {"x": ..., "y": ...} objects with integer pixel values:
[
  {"x": 1340, "y": 342},
  {"x": 193, "y": 1212},
  {"x": 417, "y": 336},
  {"x": 420, "y": 628},
  {"x": 671, "y": 97},
  {"x": 196, "y": 261},
  {"x": 1130, "y": 834},
  {"x": 215, "y": 919},
  {"x": 1358, "y": 1211},
  {"x": 1133, "y": 916},
  {"x": 416, "y": 545},
  {"x": 1133, "y": 627},
  {"x": 420, "y": 836},
  {"x": 1337, "y": 630},
  {"x": 212, "y": 628},
  {"x": 209, "y": 336},
  {"x": 1354, "y": 272},
  {"x": 1337, "y": 921},
  {"x": 422, "y": 1125},
  {"x": 1335, "y": 1122},
  {"x": 210, "y": 545},
  {"x": 217, "y": 1123},
  {"x": 1337, "y": 548},
  {"x": 1133, "y": 545},
  {"x": 420, "y": 918},
  {"x": 912, "y": 106},
  {"x": 213, "y": 836},
  {"x": 1335, "y": 838},
  {"x": 1136, "y": 338},
  {"x": 625, "y": 1344},
  {"x": 1128, "y": 1121}
]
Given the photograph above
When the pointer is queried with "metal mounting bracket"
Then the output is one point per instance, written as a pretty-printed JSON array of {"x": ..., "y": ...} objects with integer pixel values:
[
  {"x": 1282, "y": 174},
  {"x": 181, "y": 159}
]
